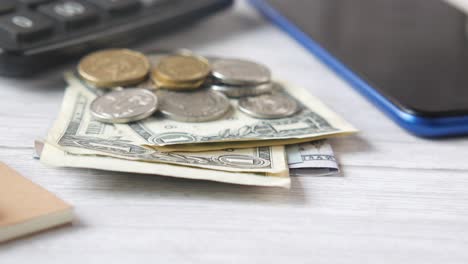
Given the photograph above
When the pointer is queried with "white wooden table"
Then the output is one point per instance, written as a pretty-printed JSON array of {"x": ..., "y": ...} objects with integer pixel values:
[{"x": 401, "y": 199}]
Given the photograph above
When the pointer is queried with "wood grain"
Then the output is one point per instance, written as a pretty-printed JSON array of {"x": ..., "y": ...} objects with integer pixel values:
[{"x": 401, "y": 199}]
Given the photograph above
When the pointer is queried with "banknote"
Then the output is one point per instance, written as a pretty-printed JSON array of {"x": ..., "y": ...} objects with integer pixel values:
[
  {"x": 54, "y": 156},
  {"x": 312, "y": 158},
  {"x": 76, "y": 132},
  {"x": 237, "y": 130}
]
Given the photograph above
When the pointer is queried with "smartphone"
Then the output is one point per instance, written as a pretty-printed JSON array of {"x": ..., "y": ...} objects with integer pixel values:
[{"x": 408, "y": 57}]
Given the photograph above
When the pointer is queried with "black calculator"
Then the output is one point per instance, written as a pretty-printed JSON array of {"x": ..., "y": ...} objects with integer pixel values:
[{"x": 38, "y": 34}]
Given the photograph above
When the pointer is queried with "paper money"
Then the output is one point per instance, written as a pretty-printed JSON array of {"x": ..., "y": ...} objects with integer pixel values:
[
  {"x": 312, "y": 158},
  {"x": 307, "y": 159},
  {"x": 54, "y": 156},
  {"x": 237, "y": 130},
  {"x": 77, "y": 132}
]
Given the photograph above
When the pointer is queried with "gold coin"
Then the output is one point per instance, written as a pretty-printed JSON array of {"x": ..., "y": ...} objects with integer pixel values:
[
  {"x": 181, "y": 68},
  {"x": 114, "y": 67},
  {"x": 179, "y": 85}
]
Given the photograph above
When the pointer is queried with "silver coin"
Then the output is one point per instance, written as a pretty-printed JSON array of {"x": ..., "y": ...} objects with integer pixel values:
[
  {"x": 240, "y": 72},
  {"x": 124, "y": 106},
  {"x": 197, "y": 106},
  {"x": 269, "y": 106},
  {"x": 242, "y": 90}
]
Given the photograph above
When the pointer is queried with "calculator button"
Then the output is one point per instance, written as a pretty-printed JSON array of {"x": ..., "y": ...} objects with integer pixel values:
[
  {"x": 118, "y": 6},
  {"x": 33, "y": 2},
  {"x": 25, "y": 26},
  {"x": 71, "y": 13},
  {"x": 7, "y": 6}
]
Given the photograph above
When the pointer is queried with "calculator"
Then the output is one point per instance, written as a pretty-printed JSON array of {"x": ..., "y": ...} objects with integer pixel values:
[{"x": 38, "y": 34}]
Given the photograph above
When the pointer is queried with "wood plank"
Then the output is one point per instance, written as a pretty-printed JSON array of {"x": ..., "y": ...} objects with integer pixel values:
[{"x": 370, "y": 212}]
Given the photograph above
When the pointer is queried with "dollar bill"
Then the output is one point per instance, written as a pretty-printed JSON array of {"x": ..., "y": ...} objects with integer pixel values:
[
  {"x": 237, "y": 130},
  {"x": 54, "y": 156},
  {"x": 306, "y": 159},
  {"x": 76, "y": 132},
  {"x": 312, "y": 158}
]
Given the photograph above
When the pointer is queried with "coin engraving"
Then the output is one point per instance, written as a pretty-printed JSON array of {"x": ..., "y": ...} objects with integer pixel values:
[
  {"x": 181, "y": 68},
  {"x": 240, "y": 72},
  {"x": 114, "y": 67},
  {"x": 124, "y": 106},
  {"x": 199, "y": 106},
  {"x": 269, "y": 106}
]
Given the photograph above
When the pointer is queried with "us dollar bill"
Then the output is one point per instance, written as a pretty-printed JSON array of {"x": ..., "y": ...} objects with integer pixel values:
[
  {"x": 76, "y": 132},
  {"x": 54, "y": 156},
  {"x": 312, "y": 158},
  {"x": 237, "y": 130}
]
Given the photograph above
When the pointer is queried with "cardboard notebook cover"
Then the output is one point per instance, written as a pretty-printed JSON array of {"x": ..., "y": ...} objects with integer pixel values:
[{"x": 27, "y": 208}]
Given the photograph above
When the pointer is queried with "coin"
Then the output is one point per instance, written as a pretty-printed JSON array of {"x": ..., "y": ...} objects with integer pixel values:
[
  {"x": 240, "y": 72},
  {"x": 179, "y": 85},
  {"x": 242, "y": 90},
  {"x": 114, "y": 67},
  {"x": 181, "y": 68},
  {"x": 198, "y": 106},
  {"x": 124, "y": 106},
  {"x": 154, "y": 56},
  {"x": 269, "y": 106}
]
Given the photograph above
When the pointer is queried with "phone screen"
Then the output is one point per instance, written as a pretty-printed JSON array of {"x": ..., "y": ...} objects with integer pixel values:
[{"x": 414, "y": 52}]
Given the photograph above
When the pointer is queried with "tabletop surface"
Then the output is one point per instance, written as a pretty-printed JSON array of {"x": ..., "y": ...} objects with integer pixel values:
[{"x": 400, "y": 199}]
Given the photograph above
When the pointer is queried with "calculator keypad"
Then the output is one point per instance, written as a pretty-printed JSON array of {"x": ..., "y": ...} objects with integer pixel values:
[
  {"x": 37, "y": 33},
  {"x": 71, "y": 13},
  {"x": 7, "y": 6},
  {"x": 26, "y": 22},
  {"x": 118, "y": 6},
  {"x": 25, "y": 26},
  {"x": 33, "y": 2}
]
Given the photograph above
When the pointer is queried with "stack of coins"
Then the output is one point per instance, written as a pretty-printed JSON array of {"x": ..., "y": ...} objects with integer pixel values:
[
  {"x": 240, "y": 78},
  {"x": 180, "y": 86},
  {"x": 181, "y": 72}
]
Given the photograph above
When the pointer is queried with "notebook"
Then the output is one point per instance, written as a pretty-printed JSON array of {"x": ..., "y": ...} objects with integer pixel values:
[{"x": 27, "y": 208}]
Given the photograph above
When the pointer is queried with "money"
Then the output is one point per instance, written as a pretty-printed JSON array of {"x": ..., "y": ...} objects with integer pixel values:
[
  {"x": 57, "y": 157},
  {"x": 179, "y": 121},
  {"x": 312, "y": 158},
  {"x": 77, "y": 132},
  {"x": 237, "y": 130},
  {"x": 154, "y": 57},
  {"x": 128, "y": 105},
  {"x": 241, "y": 91},
  {"x": 199, "y": 106},
  {"x": 113, "y": 68},
  {"x": 178, "y": 85},
  {"x": 181, "y": 71},
  {"x": 269, "y": 106},
  {"x": 182, "y": 68},
  {"x": 306, "y": 159},
  {"x": 240, "y": 72}
]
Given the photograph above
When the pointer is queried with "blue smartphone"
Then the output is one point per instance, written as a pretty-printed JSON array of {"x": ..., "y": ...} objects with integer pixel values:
[{"x": 408, "y": 57}]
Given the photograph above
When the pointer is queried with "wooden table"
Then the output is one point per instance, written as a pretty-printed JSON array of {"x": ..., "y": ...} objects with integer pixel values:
[{"x": 401, "y": 199}]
